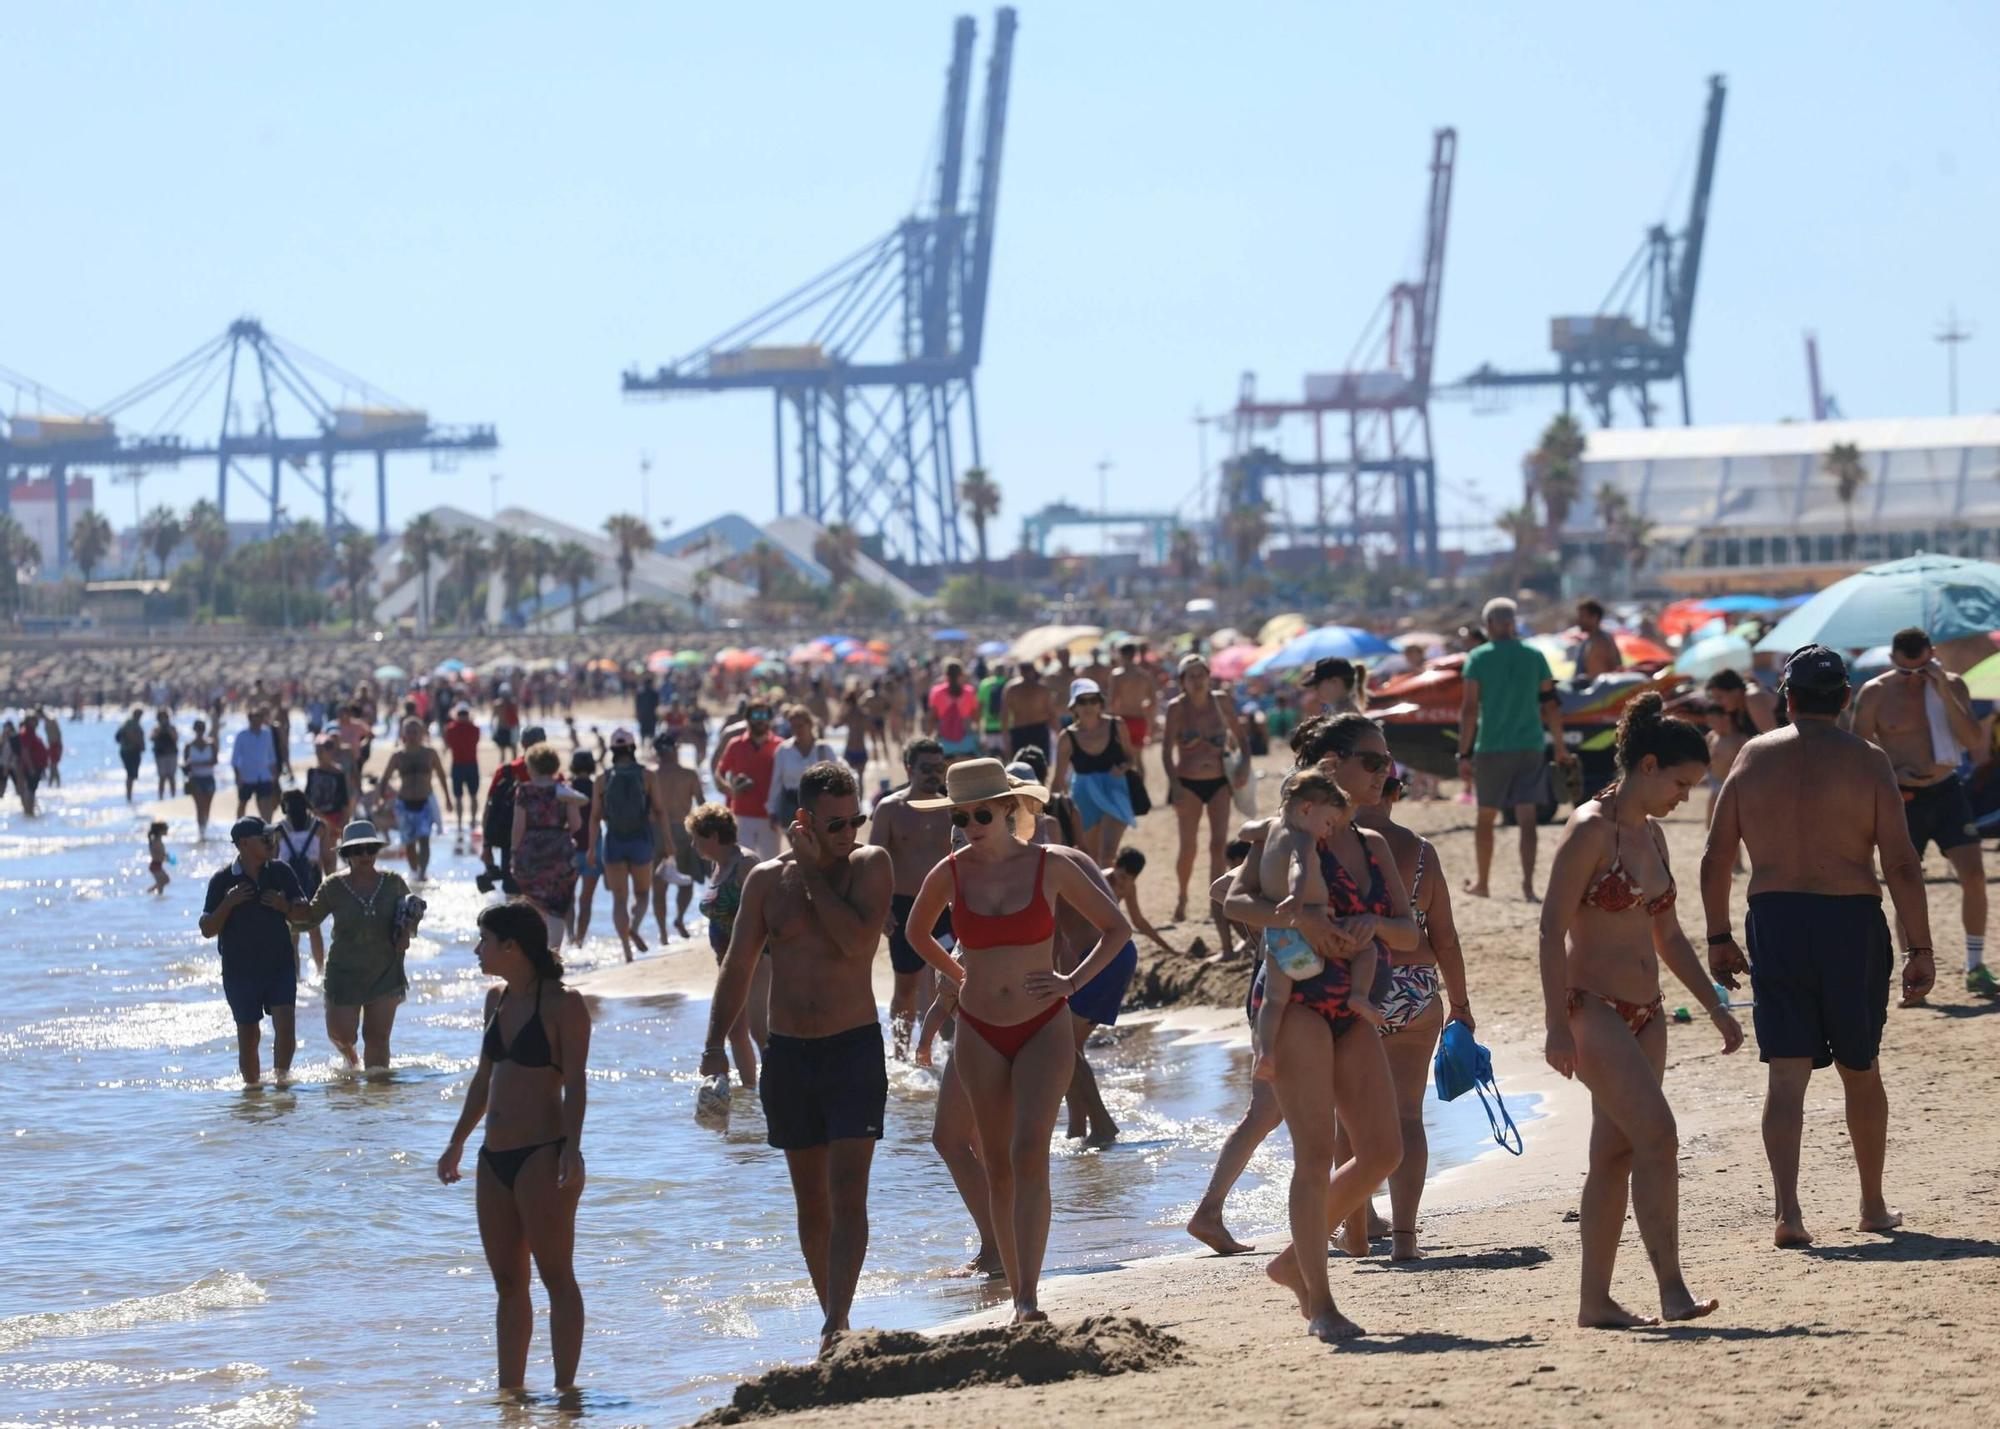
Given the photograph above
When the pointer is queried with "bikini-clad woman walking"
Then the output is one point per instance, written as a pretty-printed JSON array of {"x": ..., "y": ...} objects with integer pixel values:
[
  {"x": 1608, "y": 923},
  {"x": 1201, "y": 730},
  {"x": 530, "y": 1088},
  {"x": 1015, "y": 1051}
]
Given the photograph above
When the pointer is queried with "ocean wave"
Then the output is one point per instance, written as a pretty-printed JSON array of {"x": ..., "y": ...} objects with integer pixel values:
[{"x": 223, "y": 1290}]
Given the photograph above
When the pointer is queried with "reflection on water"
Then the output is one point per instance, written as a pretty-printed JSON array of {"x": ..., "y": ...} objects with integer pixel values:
[{"x": 189, "y": 1251}]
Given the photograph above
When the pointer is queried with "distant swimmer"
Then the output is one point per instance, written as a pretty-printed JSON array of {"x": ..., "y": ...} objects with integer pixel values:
[
  {"x": 1608, "y": 924},
  {"x": 825, "y": 1083},
  {"x": 1921, "y": 717},
  {"x": 1819, "y": 950},
  {"x": 1016, "y": 1051},
  {"x": 530, "y": 1087}
]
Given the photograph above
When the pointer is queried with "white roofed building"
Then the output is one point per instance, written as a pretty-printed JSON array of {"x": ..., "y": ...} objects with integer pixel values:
[{"x": 1755, "y": 508}]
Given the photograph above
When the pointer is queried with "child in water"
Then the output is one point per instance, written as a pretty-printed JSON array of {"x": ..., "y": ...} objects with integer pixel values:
[
  {"x": 157, "y": 855},
  {"x": 1313, "y": 811}
]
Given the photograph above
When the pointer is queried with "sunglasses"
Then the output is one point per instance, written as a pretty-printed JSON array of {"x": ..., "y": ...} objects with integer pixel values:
[
  {"x": 1087, "y": 700},
  {"x": 961, "y": 817},
  {"x": 1372, "y": 761},
  {"x": 835, "y": 826}
]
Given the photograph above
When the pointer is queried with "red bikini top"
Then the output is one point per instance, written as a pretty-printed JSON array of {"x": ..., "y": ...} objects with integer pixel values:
[
  {"x": 1034, "y": 922},
  {"x": 1616, "y": 889}
]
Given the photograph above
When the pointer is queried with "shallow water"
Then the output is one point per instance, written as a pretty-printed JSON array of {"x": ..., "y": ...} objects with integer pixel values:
[{"x": 183, "y": 1251}]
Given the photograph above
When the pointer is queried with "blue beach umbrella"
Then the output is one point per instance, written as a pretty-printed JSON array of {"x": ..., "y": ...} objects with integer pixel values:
[
  {"x": 1945, "y": 595},
  {"x": 991, "y": 648},
  {"x": 1743, "y": 604},
  {"x": 1345, "y": 641},
  {"x": 950, "y": 637}
]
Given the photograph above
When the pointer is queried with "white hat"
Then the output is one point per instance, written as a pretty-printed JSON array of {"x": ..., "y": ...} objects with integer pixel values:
[{"x": 1083, "y": 689}]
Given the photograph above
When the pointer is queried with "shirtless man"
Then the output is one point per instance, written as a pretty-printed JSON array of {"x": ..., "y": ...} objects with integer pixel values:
[
  {"x": 412, "y": 768},
  {"x": 916, "y": 841},
  {"x": 676, "y": 790},
  {"x": 825, "y": 1085},
  {"x": 1098, "y": 669},
  {"x": 1133, "y": 695},
  {"x": 1595, "y": 653},
  {"x": 1891, "y": 713},
  {"x": 875, "y": 705},
  {"x": 1725, "y": 741},
  {"x": 1819, "y": 952},
  {"x": 1093, "y": 1005},
  {"x": 1752, "y": 710},
  {"x": 1028, "y": 713}
]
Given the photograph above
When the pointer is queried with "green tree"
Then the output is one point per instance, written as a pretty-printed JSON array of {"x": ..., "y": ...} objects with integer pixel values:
[
  {"x": 90, "y": 541},
  {"x": 423, "y": 539},
  {"x": 208, "y": 533},
  {"x": 704, "y": 579},
  {"x": 1518, "y": 522},
  {"x": 465, "y": 554},
  {"x": 541, "y": 565},
  {"x": 356, "y": 559},
  {"x": 837, "y": 548},
  {"x": 575, "y": 565},
  {"x": 630, "y": 535},
  {"x": 765, "y": 564},
  {"x": 1843, "y": 462},
  {"x": 1245, "y": 530},
  {"x": 161, "y": 533},
  {"x": 14, "y": 539},
  {"x": 980, "y": 495},
  {"x": 306, "y": 551},
  {"x": 1553, "y": 471}
]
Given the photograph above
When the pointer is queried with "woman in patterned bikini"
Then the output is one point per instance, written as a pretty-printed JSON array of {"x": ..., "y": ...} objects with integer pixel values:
[{"x": 1608, "y": 923}]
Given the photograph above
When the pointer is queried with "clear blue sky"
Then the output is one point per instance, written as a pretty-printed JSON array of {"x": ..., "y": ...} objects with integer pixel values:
[{"x": 490, "y": 210}]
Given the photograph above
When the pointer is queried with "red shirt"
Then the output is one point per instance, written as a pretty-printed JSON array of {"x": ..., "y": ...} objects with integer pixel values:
[
  {"x": 741, "y": 756},
  {"x": 35, "y": 755},
  {"x": 955, "y": 713},
  {"x": 461, "y": 737}
]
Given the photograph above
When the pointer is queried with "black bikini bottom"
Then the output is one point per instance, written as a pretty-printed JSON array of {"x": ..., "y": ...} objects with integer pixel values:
[
  {"x": 506, "y": 1165},
  {"x": 1203, "y": 789}
]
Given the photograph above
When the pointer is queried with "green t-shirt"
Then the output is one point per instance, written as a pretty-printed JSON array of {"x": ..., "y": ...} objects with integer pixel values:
[
  {"x": 1510, "y": 677},
  {"x": 989, "y": 702}
]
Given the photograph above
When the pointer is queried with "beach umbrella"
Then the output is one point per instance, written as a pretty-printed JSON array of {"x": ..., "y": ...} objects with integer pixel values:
[
  {"x": 812, "y": 653},
  {"x": 1280, "y": 628},
  {"x": 449, "y": 667},
  {"x": 660, "y": 661},
  {"x": 1982, "y": 681},
  {"x": 1201, "y": 605},
  {"x": 1949, "y": 597},
  {"x": 1047, "y": 639},
  {"x": 1742, "y": 604},
  {"x": 735, "y": 662},
  {"x": 1230, "y": 662},
  {"x": 991, "y": 648},
  {"x": 688, "y": 658},
  {"x": 1555, "y": 652},
  {"x": 1227, "y": 636},
  {"x": 880, "y": 647},
  {"x": 950, "y": 637},
  {"x": 1638, "y": 650},
  {"x": 1684, "y": 617},
  {"x": 1431, "y": 640},
  {"x": 391, "y": 672},
  {"x": 1712, "y": 656},
  {"x": 1872, "y": 662},
  {"x": 1347, "y": 642},
  {"x": 862, "y": 655}
]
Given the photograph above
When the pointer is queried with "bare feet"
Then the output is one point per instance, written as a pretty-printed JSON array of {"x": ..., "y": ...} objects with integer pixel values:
[
  {"x": 1028, "y": 1314},
  {"x": 1180, "y": 909},
  {"x": 637, "y": 941},
  {"x": 1098, "y": 1140},
  {"x": 1683, "y": 1306},
  {"x": 1791, "y": 1234},
  {"x": 1378, "y": 1229},
  {"x": 1882, "y": 1219},
  {"x": 1476, "y": 888},
  {"x": 828, "y": 1340},
  {"x": 1528, "y": 893},
  {"x": 1403, "y": 1246},
  {"x": 681, "y": 927},
  {"x": 1284, "y": 1270},
  {"x": 1207, "y": 1227},
  {"x": 1333, "y": 1327},
  {"x": 1352, "y": 1237},
  {"x": 984, "y": 1265},
  {"x": 1610, "y": 1315}
]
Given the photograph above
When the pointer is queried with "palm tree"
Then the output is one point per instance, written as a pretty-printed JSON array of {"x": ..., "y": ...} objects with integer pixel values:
[
  {"x": 13, "y": 538},
  {"x": 1551, "y": 469},
  {"x": 631, "y": 535},
  {"x": 574, "y": 565},
  {"x": 981, "y": 497},
  {"x": 698, "y": 593},
  {"x": 1844, "y": 464},
  {"x": 161, "y": 533},
  {"x": 1635, "y": 534},
  {"x": 1519, "y": 524},
  {"x": 423, "y": 539},
  {"x": 541, "y": 565},
  {"x": 765, "y": 563},
  {"x": 306, "y": 552},
  {"x": 836, "y": 548},
  {"x": 1245, "y": 529},
  {"x": 208, "y": 533},
  {"x": 90, "y": 540},
  {"x": 356, "y": 559},
  {"x": 465, "y": 554}
]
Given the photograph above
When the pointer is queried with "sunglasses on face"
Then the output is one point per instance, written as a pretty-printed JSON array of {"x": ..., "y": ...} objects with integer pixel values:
[
  {"x": 1088, "y": 700},
  {"x": 835, "y": 826},
  {"x": 961, "y": 817},
  {"x": 1370, "y": 760}
]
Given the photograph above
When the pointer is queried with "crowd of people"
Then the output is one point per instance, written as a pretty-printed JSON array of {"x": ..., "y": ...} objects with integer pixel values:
[{"x": 996, "y": 869}]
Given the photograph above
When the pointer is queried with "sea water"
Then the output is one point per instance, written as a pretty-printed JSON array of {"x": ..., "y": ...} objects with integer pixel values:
[{"x": 180, "y": 1250}]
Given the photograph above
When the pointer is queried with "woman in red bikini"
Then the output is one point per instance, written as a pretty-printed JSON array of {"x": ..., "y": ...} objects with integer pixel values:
[
  {"x": 1608, "y": 923},
  {"x": 1015, "y": 1051}
]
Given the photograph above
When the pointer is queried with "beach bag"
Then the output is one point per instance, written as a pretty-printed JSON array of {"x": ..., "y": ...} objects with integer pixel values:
[
  {"x": 496, "y": 824},
  {"x": 1135, "y": 786},
  {"x": 1462, "y": 1065},
  {"x": 626, "y": 811}
]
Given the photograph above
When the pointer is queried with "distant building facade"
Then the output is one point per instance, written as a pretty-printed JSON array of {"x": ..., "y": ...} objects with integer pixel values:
[{"x": 33, "y": 503}]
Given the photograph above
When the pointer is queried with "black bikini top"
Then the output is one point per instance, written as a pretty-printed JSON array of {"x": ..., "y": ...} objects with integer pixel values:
[
  {"x": 1104, "y": 761},
  {"x": 531, "y": 1043}
]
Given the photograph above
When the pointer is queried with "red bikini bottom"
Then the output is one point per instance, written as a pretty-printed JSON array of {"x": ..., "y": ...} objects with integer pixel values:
[{"x": 1009, "y": 1040}]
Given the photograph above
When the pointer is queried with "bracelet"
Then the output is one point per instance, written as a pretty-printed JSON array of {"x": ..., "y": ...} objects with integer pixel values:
[
  {"x": 712, "y": 1051},
  {"x": 1912, "y": 952},
  {"x": 1466, "y": 1005},
  {"x": 1716, "y": 940}
]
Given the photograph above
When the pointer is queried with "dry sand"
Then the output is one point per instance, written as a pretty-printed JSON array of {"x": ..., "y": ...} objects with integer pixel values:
[{"x": 1857, "y": 1330}]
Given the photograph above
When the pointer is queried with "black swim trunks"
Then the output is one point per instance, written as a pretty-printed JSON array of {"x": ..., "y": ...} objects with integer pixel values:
[
  {"x": 1941, "y": 814},
  {"x": 902, "y": 957},
  {"x": 821, "y": 1089},
  {"x": 1819, "y": 967}
]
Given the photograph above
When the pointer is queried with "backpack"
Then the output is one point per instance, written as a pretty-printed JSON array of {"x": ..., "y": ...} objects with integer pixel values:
[
  {"x": 627, "y": 806},
  {"x": 303, "y": 866},
  {"x": 496, "y": 824}
]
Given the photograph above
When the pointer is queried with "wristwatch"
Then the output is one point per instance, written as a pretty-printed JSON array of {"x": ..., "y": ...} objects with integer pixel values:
[{"x": 1716, "y": 940}]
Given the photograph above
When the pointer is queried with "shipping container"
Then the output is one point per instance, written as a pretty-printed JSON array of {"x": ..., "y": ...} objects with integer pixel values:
[
  {"x": 788, "y": 357},
  {"x": 43, "y": 431},
  {"x": 357, "y": 422}
]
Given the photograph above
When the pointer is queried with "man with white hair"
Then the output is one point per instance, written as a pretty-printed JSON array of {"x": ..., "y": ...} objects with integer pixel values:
[{"x": 1509, "y": 707}]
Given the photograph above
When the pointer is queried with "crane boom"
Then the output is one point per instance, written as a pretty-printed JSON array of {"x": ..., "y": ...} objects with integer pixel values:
[
  {"x": 992, "y": 136},
  {"x": 1697, "y": 225},
  {"x": 1444, "y": 154}
]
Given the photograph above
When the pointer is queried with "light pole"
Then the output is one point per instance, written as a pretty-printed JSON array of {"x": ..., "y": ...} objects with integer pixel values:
[
  {"x": 1953, "y": 337},
  {"x": 646, "y": 488},
  {"x": 493, "y": 504},
  {"x": 284, "y": 567}
]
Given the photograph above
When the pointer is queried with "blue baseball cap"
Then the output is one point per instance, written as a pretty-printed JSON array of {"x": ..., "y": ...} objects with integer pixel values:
[
  {"x": 1815, "y": 669},
  {"x": 248, "y": 827}
]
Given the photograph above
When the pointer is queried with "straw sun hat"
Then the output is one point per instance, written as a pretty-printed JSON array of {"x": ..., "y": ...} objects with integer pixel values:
[{"x": 975, "y": 781}]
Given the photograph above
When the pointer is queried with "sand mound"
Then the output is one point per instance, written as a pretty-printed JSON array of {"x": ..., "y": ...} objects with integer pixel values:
[
  {"x": 1164, "y": 980},
  {"x": 881, "y": 1364}
]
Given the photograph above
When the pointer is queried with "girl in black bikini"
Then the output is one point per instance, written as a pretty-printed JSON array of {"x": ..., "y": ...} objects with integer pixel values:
[
  {"x": 1200, "y": 731},
  {"x": 531, "y": 1079},
  {"x": 1607, "y": 924}
]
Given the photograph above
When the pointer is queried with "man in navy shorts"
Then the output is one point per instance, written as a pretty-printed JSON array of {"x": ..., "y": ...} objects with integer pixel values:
[
  {"x": 916, "y": 840},
  {"x": 248, "y": 912}
]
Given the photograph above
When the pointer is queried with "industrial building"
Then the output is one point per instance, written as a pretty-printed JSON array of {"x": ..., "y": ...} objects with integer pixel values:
[{"x": 1756, "y": 507}]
